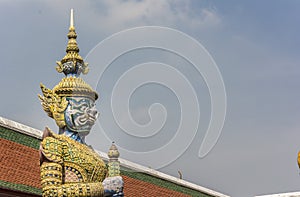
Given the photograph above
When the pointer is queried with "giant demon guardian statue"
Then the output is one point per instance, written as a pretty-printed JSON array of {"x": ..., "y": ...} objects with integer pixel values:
[{"x": 68, "y": 166}]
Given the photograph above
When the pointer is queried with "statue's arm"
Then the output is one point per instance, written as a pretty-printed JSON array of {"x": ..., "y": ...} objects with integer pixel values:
[
  {"x": 52, "y": 185},
  {"x": 52, "y": 172}
]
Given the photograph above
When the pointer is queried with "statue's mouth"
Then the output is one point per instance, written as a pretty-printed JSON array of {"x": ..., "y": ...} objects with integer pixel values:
[
  {"x": 86, "y": 119},
  {"x": 91, "y": 119}
]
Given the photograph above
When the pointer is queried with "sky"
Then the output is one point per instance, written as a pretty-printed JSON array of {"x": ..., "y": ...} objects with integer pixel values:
[{"x": 254, "y": 44}]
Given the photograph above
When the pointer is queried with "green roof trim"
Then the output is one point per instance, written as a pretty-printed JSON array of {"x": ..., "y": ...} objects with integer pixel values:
[
  {"x": 20, "y": 187},
  {"x": 19, "y": 138},
  {"x": 163, "y": 183}
]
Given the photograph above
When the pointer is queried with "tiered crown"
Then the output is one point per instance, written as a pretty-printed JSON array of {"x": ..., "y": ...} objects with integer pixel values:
[{"x": 72, "y": 65}]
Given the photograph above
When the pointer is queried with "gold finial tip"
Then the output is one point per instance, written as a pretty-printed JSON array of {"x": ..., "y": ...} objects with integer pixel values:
[{"x": 72, "y": 18}]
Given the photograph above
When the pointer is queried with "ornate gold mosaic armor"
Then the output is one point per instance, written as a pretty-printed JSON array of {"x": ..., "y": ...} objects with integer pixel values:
[{"x": 70, "y": 168}]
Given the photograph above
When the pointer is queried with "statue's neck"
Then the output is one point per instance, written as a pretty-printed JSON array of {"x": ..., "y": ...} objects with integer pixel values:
[{"x": 73, "y": 135}]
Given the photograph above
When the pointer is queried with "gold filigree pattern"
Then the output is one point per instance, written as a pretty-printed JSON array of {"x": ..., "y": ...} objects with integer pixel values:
[
  {"x": 74, "y": 86},
  {"x": 74, "y": 189},
  {"x": 71, "y": 169},
  {"x": 53, "y": 105},
  {"x": 51, "y": 173}
]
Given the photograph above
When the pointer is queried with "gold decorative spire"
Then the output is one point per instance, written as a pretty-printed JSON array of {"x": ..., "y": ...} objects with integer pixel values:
[
  {"x": 72, "y": 63},
  {"x": 113, "y": 162}
]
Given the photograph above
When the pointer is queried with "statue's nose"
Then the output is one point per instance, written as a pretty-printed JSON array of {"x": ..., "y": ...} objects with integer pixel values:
[{"x": 92, "y": 111}]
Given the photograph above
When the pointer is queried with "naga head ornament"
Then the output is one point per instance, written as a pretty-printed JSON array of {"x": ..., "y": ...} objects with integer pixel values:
[{"x": 71, "y": 102}]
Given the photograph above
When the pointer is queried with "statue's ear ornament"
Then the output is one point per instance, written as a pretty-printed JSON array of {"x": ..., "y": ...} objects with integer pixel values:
[
  {"x": 46, "y": 100},
  {"x": 59, "y": 67},
  {"x": 85, "y": 68},
  {"x": 54, "y": 105}
]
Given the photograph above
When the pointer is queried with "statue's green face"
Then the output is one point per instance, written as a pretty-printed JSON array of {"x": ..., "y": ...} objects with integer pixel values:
[{"x": 80, "y": 114}]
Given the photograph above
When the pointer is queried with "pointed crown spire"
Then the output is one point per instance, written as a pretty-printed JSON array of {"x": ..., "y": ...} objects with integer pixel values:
[
  {"x": 72, "y": 63},
  {"x": 72, "y": 44}
]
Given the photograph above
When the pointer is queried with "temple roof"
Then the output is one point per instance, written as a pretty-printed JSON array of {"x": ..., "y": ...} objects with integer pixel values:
[{"x": 19, "y": 169}]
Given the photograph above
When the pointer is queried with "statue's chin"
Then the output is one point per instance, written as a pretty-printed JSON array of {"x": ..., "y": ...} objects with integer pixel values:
[{"x": 86, "y": 129}]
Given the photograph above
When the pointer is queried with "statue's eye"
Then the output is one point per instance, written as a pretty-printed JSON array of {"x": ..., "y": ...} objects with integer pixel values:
[{"x": 83, "y": 107}]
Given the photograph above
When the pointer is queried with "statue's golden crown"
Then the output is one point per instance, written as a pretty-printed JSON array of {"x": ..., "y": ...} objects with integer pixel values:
[{"x": 74, "y": 86}]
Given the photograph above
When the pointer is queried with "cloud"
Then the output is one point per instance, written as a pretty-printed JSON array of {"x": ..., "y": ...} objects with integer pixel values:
[
  {"x": 169, "y": 13},
  {"x": 114, "y": 15}
]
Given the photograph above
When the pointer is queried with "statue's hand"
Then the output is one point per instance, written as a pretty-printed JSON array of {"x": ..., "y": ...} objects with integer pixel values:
[{"x": 113, "y": 186}]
